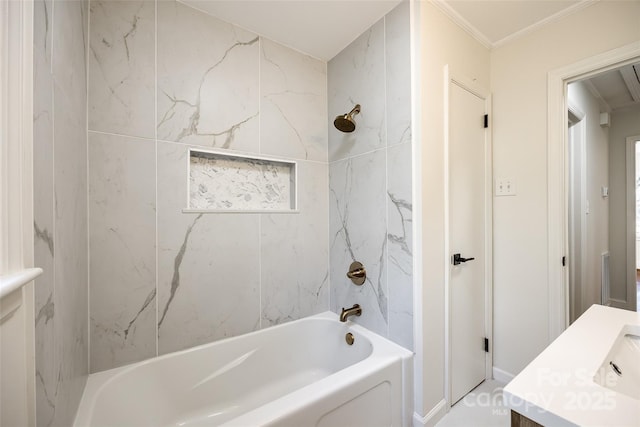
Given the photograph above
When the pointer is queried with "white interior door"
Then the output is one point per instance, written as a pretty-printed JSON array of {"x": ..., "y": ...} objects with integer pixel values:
[{"x": 468, "y": 171}]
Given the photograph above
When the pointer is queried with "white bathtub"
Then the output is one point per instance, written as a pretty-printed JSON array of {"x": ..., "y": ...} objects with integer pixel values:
[{"x": 298, "y": 374}]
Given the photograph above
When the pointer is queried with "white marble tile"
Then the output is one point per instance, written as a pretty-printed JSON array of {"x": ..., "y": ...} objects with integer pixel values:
[
  {"x": 208, "y": 265},
  {"x": 294, "y": 252},
  {"x": 398, "y": 74},
  {"x": 357, "y": 76},
  {"x": 400, "y": 244},
  {"x": 69, "y": 47},
  {"x": 293, "y": 103},
  {"x": 122, "y": 213},
  {"x": 42, "y": 19},
  {"x": 44, "y": 247},
  {"x": 358, "y": 232},
  {"x": 207, "y": 80},
  {"x": 233, "y": 183},
  {"x": 122, "y": 67},
  {"x": 71, "y": 244}
]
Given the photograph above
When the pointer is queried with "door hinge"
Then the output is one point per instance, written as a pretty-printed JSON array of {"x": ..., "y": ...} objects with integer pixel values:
[
  {"x": 486, "y": 345},
  {"x": 486, "y": 121},
  {"x": 564, "y": 261}
]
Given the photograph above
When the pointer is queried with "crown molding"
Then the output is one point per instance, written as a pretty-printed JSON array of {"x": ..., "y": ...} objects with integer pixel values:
[{"x": 444, "y": 7}]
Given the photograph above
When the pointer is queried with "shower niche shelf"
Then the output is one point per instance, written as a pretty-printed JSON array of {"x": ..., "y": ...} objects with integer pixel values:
[{"x": 220, "y": 182}]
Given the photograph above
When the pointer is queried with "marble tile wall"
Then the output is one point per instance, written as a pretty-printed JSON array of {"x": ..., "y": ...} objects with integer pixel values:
[
  {"x": 162, "y": 280},
  {"x": 370, "y": 177},
  {"x": 60, "y": 208}
]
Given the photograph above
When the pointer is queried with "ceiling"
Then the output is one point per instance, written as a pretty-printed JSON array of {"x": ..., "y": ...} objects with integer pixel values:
[
  {"x": 323, "y": 28},
  {"x": 617, "y": 89},
  {"x": 320, "y": 28}
]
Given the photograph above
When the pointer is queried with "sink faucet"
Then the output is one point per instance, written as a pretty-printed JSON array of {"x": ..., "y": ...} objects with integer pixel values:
[{"x": 353, "y": 311}]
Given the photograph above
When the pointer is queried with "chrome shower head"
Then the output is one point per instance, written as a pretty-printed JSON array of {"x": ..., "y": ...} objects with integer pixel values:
[{"x": 345, "y": 123}]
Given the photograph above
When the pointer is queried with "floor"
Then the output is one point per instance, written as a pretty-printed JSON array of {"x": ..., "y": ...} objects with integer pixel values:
[{"x": 482, "y": 407}]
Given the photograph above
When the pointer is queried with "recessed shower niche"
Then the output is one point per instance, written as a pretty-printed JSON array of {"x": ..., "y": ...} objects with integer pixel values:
[{"x": 232, "y": 183}]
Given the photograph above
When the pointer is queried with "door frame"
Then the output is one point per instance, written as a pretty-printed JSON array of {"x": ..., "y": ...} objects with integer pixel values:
[
  {"x": 631, "y": 302},
  {"x": 16, "y": 198},
  {"x": 451, "y": 77},
  {"x": 557, "y": 179},
  {"x": 576, "y": 118}
]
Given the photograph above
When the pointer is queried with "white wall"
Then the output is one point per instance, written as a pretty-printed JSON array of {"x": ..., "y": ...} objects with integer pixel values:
[
  {"x": 443, "y": 43},
  {"x": 597, "y": 218},
  {"x": 623, "y": 125},
  {"x": 519, "y": 85}
]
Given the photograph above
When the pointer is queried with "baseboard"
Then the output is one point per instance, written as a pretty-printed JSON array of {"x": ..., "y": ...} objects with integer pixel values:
[
  {"x": 432, "y": 418},
  {"x": 502, "y": 376}
]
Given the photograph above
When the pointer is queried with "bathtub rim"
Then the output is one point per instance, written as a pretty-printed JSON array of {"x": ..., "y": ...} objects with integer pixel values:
[{"x": 381, "y": 348}]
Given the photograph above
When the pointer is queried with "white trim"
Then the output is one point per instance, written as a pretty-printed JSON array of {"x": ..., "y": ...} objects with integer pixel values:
[
  {"x": 14, "y": 281},
  {"x": 16, "y": 206},
  {"x": 433, "y": 416},
  {"x": 631, "y": 302},
  {"x": 488, "y": 249},
  {"x": 502, "y": 376},
  {"x": 471, "y": 86},
  {"x": 467, "y": 26},
  {"x": 556, "y": 173},
  {"x": 474, "y": 32},
  {"x": 448, "y": 79},
  {"x": 5, "y": 60}
]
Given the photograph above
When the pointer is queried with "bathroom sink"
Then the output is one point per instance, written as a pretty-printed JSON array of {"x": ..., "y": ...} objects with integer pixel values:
[{"x": 620, "y": 370}]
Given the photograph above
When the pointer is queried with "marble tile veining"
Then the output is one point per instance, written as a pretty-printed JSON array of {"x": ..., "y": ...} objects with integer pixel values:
[
  {"x": 357, "y": 76},
  {"x": 44, "y": 244},
  {"x": 221, "y": 275},
  {"x": 69, "y": 343},
  {"x": 358, "y": 232},
  {"x": 207, "y": 80},
  {"x": 208, "y": 265},
  {"x": 400, "y": 244},
  {"x": 398, "y": 74},
  {"x": 71, "y": 264},
  {"x": 293, "y": 103},
  {"x": 122, "y": 67},
  {"x": 294, "y": 253},
  {"x": 370, "y": 177},
  {"x": 223, "y": 182},
  {"x": 122, "y": 211}
]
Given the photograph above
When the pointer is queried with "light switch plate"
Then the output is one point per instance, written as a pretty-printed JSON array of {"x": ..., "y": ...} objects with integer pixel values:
[{"x": 505, "y": 187}]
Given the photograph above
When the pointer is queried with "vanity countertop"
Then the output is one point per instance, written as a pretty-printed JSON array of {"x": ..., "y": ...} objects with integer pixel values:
[{"x": 557, "y": 387}]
